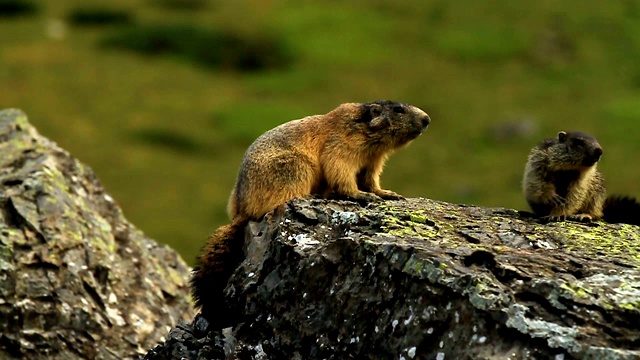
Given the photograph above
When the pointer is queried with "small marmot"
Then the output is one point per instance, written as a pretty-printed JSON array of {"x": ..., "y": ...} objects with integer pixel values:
[
  {"x": 340, "y": 153},
  {"x": 561, "y": 181}
]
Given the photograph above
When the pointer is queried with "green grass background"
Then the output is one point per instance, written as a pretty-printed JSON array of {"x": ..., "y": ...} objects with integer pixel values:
[{"x": 166, "y": 136}]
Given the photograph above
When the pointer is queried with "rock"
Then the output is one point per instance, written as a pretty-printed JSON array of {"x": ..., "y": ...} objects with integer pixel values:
[
  {"x": 423, "y": 279},
  {"x": 77, "y": 280}
]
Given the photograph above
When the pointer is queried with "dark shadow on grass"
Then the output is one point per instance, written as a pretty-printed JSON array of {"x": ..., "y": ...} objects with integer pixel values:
[
  {"x": 98, "y": 16},
  {"x": 207, "y": 47},
  {"x": 169, "y": 140},
  {"x": 181, "y": 4},
  {"x": 16, "y": 8}
]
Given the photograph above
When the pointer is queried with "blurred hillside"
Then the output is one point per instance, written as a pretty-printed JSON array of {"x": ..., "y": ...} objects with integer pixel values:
[{"x": 162, "y": 97}]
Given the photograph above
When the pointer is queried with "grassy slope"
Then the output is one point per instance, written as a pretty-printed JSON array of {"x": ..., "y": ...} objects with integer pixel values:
[{"x": 472, "y": 65}]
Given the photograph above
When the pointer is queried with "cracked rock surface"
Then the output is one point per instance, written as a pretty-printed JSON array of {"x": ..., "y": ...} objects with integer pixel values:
[
  {"x": 422, "y": 279},
  {"x": 77, "y": 280}
]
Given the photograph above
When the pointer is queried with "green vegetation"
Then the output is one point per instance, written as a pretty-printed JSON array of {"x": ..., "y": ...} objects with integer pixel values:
[{"x": 166, "y": 137}]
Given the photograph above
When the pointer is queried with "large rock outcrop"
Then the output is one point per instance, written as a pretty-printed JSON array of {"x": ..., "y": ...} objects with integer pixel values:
[
  {"x": 77, "y": 280},
  {"x": 422, "y": 279}
]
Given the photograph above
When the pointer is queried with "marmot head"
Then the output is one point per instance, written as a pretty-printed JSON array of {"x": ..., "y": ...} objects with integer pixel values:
[
  {"x": 574, "y": 150},
  {"x": 393, "y": 122}
]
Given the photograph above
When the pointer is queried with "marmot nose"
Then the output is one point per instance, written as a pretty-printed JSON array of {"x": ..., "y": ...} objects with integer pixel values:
[
  {"x": 426, "y": 120},
  {"x": 597, "y": 153}
]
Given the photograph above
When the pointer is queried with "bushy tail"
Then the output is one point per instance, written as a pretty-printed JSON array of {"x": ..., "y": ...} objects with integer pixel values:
[
  {"x": 622, "y": 209},
  {"x": 215, "y": 265}
]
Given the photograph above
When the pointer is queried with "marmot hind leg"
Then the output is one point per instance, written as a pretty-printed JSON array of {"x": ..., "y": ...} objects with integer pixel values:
[{"x": 286, "y": 178}]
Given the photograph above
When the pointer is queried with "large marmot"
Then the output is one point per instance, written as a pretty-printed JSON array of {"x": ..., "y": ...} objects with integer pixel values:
[{"x": 340, "y": 153}]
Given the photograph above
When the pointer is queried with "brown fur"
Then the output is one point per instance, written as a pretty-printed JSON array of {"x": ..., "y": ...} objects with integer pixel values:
[
  {"x": 341, "y": 153},
  {"x": 561, "y": 179}
]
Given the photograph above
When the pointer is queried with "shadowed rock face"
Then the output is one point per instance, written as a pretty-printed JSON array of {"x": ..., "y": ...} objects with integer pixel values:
[
  {"x": 77, "y": 280},
  {"x": 421, "y": 279}
]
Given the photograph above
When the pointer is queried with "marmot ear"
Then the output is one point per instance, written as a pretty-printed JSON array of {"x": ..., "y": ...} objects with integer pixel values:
[
  {"x": 562, "y": 136},
  {"x": 375, "y": 110},
  {"x": 370, "y": 112}
]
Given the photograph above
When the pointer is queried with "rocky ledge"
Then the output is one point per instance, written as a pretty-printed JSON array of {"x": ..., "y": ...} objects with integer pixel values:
[{"x": 422, "y": 279}]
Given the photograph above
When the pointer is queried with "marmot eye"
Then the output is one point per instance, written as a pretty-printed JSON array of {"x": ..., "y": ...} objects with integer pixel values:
[{"x": 398, "y": 110}]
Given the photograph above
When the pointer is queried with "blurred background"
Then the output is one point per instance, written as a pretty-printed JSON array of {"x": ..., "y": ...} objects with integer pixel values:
[{"x": 162, "y": 97}]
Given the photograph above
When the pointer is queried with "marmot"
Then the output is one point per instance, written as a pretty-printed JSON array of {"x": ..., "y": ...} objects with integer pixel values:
[
  {"x": 340, "y": 153},
  {"x": 561, "y": 181}
]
